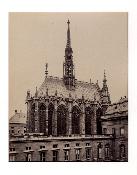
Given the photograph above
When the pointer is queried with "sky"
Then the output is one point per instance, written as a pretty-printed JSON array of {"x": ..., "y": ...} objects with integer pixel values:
[{"x": 99, "y": 42}]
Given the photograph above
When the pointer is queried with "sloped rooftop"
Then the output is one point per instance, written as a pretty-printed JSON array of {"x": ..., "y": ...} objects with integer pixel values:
[
  {"x": 18, "y": 117},
  {"x": 53, "y": 84},
  {"x": 119, "y": 109}
]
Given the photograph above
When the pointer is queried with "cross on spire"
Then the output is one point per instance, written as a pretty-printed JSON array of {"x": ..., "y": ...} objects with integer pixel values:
[{"x": 68, "y": 22}]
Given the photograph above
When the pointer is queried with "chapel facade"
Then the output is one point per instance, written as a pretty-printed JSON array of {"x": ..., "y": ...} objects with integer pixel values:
[{"x": 66, "y": 106}]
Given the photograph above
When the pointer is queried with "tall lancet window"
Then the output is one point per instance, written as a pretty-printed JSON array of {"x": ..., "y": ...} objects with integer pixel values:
[
  {"x": 88, "y": 118},
  {"x": 42, "y": 118},
  {"x": 32, "y": 123},
  {"x": 76, "y": 120},
  {"x": 50, "y": 118},
  {"x": 99, "y": 126},
  {"x": 61, "y": 120}
]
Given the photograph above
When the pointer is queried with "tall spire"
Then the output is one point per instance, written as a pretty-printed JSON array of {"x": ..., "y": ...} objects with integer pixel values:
[
  {"x": 68, "y": 66},
  {"x": 68, "y": 36},
  {"x": 105, "y": 92}
]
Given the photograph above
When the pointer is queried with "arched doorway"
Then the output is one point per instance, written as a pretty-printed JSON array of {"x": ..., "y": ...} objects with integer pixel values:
[
  {"x": 42, "y": 118},
  {"x": 61, "y": 120},
  {"x": 88, "y": 118},
  {"x": 99, "y": 113},
  {"x": 76, "y": 120},
  {"x": 50, "y": 118}
]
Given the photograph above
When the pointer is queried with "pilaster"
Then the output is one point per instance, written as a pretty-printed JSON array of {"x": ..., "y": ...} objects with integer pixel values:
[
  {"x": 82, "y": 120},
  {"x": 46, "y": 132},
  {"x": 94, "y": 119},
  {"x": 69, "y": 122},
  {"x": 37, "y": 129},
  {"x": 54, "y": 121}
]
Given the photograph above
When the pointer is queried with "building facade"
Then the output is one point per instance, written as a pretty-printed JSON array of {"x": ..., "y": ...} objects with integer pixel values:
[
  {"x": 64, "y": 119},
  {"x": 17, "y": 124},
  {"x": 115, "y": 122}
]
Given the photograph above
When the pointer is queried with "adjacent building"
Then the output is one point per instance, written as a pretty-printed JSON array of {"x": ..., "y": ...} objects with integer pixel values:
[{"x": 17, "y": 124}]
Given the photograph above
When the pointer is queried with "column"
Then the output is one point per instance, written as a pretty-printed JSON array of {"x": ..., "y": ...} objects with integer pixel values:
[
  {"x": 94, "y": 122},
  {"x": 46, "y": 132},
  {"x": 82, "y": 120},
  {"x": 28, "y": 116},
  {"x": 69, "y": 121},
  {"x": 54, "y": 121},
  {"x": 36, "y": 117}
]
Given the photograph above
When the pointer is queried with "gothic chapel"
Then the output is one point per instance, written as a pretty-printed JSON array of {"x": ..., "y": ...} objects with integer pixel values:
[{"x": 65, "y": 106}]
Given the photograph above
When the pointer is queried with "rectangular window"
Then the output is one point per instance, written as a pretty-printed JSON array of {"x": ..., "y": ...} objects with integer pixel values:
[
  {"x": 87, "y": 144},
  {"x": 99, "y": 152},
  {"x": 66, "y": 154},
  {"x": 77, "y": 144},
  {"x": 122, "y": 131},
  {"x": 28, "y": 158},
  {"x": 12, "y": 130},
  {"x": 55, "y": 155},
  {"x": 42, "y": 147},
  {"x": 12, "y": 149},
  {"x": 55, "y": 146},
  {"x": 28, "y": 148},
  {"x": 113, "y": 131},
  {"x": 104, "y": 130},
  {"x": 107, "y": 152},
  {"x": 12, "y": 158},
  {"x": 66, "y": 145},
  {"x": 77, "y": 154},
  {"x": 88, "y": 153},
  {"x": 42, "y": 156}
]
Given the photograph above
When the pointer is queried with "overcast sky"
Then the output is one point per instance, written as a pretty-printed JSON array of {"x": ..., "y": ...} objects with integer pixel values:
[{"x": 99, "y": 41}]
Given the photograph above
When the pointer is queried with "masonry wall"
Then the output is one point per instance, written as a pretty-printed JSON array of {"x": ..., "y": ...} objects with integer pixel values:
[
  {"x": 17, "y": 128},
  {"x": 119, "y": 139},
  {"x": 20, "y": 148}
]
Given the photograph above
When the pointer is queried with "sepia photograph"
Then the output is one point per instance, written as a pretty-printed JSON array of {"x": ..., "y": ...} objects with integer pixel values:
[{"x": 68, "y": 87}]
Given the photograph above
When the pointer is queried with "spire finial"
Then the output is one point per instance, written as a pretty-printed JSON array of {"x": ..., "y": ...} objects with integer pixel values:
[
  {"x": 68, "y": 35},
  {"x": 68, "y": 22},
  {"x": 46, "y": 71},
  {"x": 36, "y": 93},
  {"x": 104, "y": 74}
]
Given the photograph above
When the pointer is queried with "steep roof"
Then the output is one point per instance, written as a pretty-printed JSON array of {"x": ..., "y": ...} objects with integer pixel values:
[
  {"x": 18, "y": 117},
  {"x": 55, "y": 84},
  {"x": 117, "y": 109}
]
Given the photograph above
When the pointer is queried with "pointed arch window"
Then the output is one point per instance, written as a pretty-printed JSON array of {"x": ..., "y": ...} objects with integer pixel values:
[
  {"x": 88, "y": 118},
  {"x": 50, "y": 118},
  {"x": 76, "y": 120},
  {"x": 61, "y": 120},
  {"x": 99, "y": 126},
  {"x": 42, "y": 118},
  {"x": 32, "y": 123}
]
